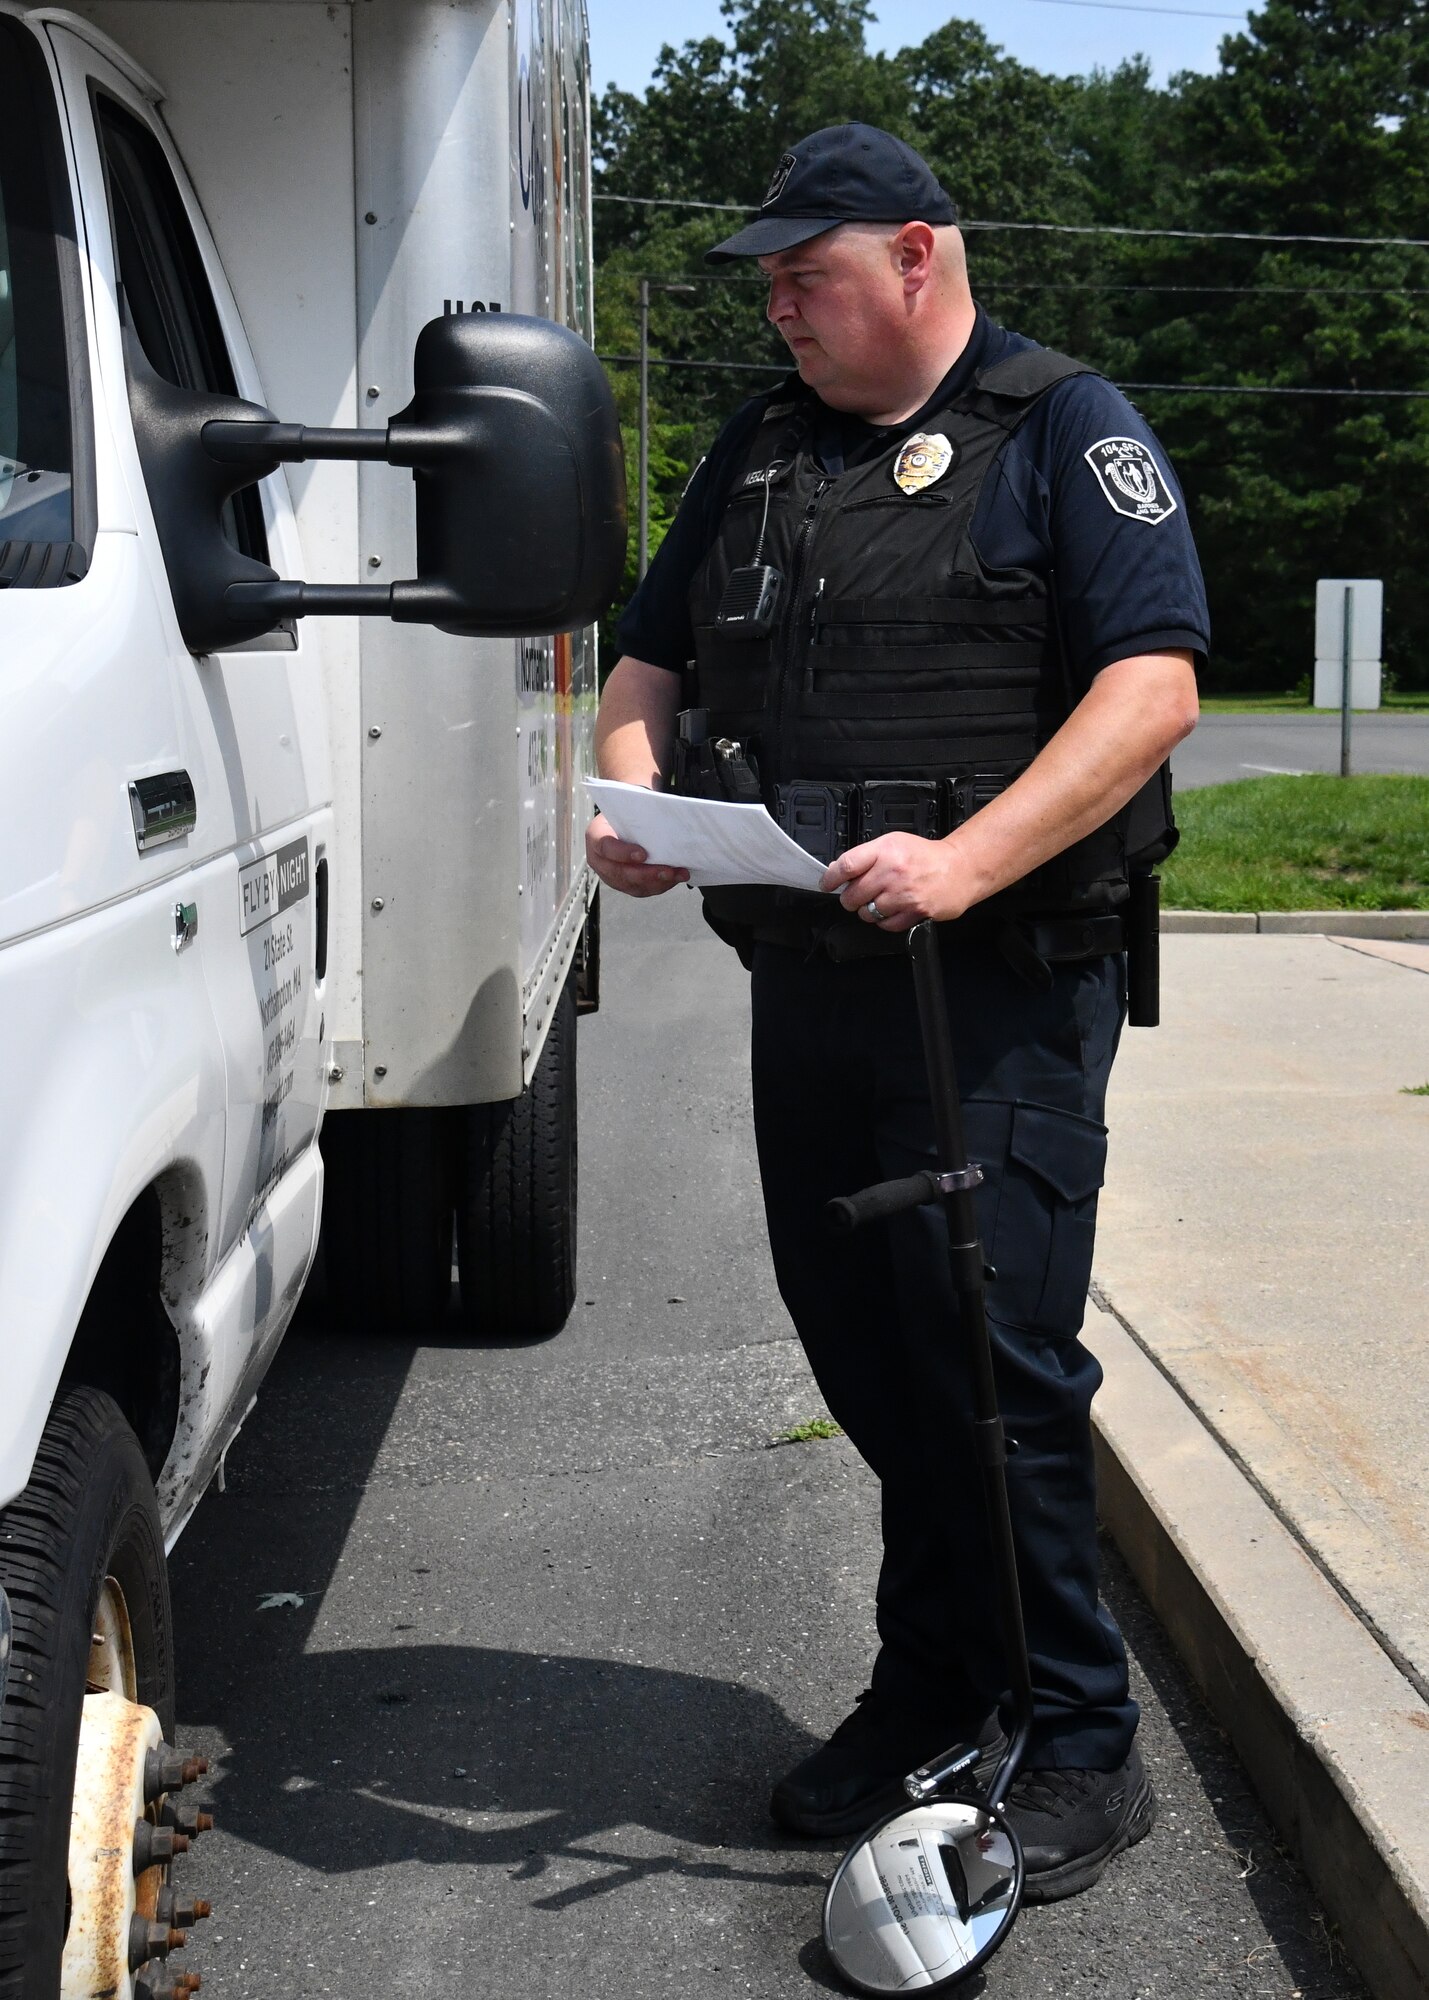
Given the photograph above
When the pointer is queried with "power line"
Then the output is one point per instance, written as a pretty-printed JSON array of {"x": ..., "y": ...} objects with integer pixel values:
[
  {"x": 1090, "y": 285},
  {"x": 1208, "y": 235},
  {"x": 1266, "y": 389},
  {"x": 1082, "y": 228},
  {"x": 1129, "y": 7},
  {"x": 662, "y": 201},
  {"x": 1218, "y": 291},
  {"x": 1166, "y": 388},
  {"x": 741, "y": 367}
]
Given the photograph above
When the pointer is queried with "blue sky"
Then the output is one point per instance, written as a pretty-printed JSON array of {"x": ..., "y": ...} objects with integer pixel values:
[{"x": 1066, "y": 38}]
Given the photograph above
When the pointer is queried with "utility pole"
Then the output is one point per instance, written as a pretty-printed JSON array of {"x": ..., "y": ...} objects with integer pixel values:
[
  {"x": 1346, "y": 658},
  {"x": 642, "y": 559},
  {"x": 647, "y": 286}
]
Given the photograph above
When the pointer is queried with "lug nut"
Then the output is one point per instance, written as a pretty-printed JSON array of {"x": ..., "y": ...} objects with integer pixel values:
[
  {"x": 156, "y": 1845},
  {"x": 179, "y": 1987},
  {"x": 172, "y": 1908},
  {"x": 150, "y": 1940},
  {"x": 166, "y": 1771},
  {"x": 187, "y": 1819}
]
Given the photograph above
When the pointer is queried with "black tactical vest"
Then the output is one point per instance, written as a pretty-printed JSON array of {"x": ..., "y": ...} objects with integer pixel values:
[{"x": 903, "y": 684}]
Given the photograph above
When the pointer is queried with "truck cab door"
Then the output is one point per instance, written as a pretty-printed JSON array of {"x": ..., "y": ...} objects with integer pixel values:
[{"x": 255, "y": 738}]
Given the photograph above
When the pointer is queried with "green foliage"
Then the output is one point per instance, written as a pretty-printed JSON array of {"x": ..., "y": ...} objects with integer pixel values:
[
  {"x": 1316, "y": 843},
  {"x": 1317, "y": 121},
  {"x": 817, "y": 1427}
]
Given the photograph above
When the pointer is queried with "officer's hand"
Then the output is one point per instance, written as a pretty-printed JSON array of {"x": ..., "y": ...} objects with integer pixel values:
[
  {"x": 905, "y": 877},
  {"x": 625, "y": 867}
]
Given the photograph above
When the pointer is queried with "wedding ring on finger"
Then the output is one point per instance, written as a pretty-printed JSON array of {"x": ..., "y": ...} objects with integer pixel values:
[{"x": 872, "y": 910}]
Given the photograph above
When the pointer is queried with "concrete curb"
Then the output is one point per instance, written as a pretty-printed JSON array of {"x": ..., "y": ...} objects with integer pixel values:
[
  {"x": 1335, "y": 1740},
  {"x": 1302, "y": 923}
]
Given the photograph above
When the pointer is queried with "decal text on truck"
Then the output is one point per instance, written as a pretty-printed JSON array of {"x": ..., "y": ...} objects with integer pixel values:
[{"x": 272, "y": 884}]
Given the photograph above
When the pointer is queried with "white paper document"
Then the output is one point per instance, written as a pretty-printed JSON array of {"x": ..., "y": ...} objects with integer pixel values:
[{"x": 717, "y": 842}]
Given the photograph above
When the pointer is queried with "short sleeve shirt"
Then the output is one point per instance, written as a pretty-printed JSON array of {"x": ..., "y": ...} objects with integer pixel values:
[{"x": 1066, "y": 497}]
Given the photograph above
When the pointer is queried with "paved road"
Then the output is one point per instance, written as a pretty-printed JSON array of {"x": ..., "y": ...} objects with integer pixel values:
[
  {"x": 1235, "y": 746},
  {"x": 566, "y": 1612}
]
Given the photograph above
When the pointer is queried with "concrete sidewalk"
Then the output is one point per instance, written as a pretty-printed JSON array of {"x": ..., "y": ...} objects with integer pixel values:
[{"x": 1262, "y": 1270}]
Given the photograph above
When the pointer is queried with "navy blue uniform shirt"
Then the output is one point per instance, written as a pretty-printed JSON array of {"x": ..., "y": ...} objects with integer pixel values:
[{"x": 1061, "y": 497}]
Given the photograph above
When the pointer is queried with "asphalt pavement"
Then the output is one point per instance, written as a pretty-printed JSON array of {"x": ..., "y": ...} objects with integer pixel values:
[
  {"x": 1226, "y": 747},
  {"x": 566, "y": 1610}
]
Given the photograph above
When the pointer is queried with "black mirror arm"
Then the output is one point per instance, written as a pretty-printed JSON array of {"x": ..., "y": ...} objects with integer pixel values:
[
  {"x": 282, "y": 599},
  {"x": 403, "y": 444},
  {"x": 257, "y": 443},
  {"x": 252, "y": 441},
  {"x": 260, "y": 443}
]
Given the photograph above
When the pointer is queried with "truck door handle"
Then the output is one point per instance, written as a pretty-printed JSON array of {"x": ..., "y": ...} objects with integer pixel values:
[{"x": 163, "y": 808}]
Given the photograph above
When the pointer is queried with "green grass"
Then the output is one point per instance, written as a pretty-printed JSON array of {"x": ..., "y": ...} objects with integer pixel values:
[
  {"x": 817, "y": 1427},
  {"x": 1283, "y": 704},
  {"x": 1314, "y": 843},
  {"x": 1414, "y": 1090}
]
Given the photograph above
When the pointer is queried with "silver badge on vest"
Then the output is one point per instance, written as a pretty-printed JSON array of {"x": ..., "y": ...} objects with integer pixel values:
[{"x": 924, "y": 458}]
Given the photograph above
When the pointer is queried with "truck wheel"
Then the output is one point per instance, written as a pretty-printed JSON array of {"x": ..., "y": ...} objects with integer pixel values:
[
  {"x": 516, "y": 1197},
  {"x": 387, "y": 1218},
  {"x": 86, "y": 1829}
]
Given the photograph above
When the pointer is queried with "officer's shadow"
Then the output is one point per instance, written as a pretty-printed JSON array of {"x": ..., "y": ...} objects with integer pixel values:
[{"x": 462, "y": 1755}]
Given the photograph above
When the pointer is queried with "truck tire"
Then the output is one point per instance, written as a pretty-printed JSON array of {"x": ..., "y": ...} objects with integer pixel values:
[
  {"x": 387, "y": 1218},
  {"x": 516, "y": 1197},
  {"x": 81, "y": 1551}
]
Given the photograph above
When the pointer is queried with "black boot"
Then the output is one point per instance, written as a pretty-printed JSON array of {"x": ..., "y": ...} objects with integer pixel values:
[
  {"x": 1071, "y": 1823},
  {"x": 858, "y": 1774}
]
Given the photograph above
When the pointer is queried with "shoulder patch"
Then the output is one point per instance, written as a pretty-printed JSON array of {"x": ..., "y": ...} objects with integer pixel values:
[
  {"x": 1130, "y": 479},
  {"x": 778, "y": 410}
]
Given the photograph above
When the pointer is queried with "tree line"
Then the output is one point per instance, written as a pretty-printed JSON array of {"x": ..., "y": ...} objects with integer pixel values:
[{"x": 1315, "y": 124}]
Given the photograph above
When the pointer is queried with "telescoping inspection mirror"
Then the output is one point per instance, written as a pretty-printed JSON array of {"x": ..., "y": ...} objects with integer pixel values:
[
  {"x": 513, "y": 443},
  {"x": 928, "y": 1894},
  {"x": 924, "y": 1898}
]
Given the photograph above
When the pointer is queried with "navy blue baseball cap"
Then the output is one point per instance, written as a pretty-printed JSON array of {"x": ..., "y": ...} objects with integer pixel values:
[{"x": 845, "y": 173}]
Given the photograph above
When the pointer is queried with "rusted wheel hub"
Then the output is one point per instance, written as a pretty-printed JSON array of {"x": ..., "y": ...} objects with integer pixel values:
[{"x": 126, "y": 1829}]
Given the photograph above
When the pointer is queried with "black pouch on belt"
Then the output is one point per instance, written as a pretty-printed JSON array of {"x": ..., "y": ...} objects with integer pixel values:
[
  {"x": 900, "y": 805},
  {"x": 820, "y": 816},
  {"x": 1143, "y": 952}
]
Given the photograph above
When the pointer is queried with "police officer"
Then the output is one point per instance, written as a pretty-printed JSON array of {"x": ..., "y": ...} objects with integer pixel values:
[{"x": 935, "y": 601}]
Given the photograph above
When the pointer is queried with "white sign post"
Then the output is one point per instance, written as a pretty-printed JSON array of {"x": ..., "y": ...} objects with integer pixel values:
[{"x": 1349, "y": 623}]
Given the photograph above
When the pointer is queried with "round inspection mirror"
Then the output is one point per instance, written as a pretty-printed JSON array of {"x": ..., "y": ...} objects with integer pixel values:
[{"x": 924, "y": 1898}]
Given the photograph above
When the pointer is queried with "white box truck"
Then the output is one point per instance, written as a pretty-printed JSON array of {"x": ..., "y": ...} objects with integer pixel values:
[{"x": 280, "y": 884}]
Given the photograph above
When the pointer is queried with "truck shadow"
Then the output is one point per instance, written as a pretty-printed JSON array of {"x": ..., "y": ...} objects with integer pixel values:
[
  {"x": 373, "y": 1747},
  {"x": 465, "y": 1755}
]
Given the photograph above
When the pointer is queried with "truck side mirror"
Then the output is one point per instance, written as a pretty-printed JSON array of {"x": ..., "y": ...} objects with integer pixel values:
[{"x": 513, "y": 443}]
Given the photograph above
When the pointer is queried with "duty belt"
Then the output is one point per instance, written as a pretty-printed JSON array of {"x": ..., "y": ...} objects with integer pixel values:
[
  {"x": 827, "y": 816},
  {"x": 1031, "y": 945}
]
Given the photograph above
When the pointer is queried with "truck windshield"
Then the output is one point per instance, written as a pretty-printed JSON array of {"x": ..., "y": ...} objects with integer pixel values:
[{"x": 36, "y": 437}]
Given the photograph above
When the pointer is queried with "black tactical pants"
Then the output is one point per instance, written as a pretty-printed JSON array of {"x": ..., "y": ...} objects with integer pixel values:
[{"x": 840, "y": 1100}]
